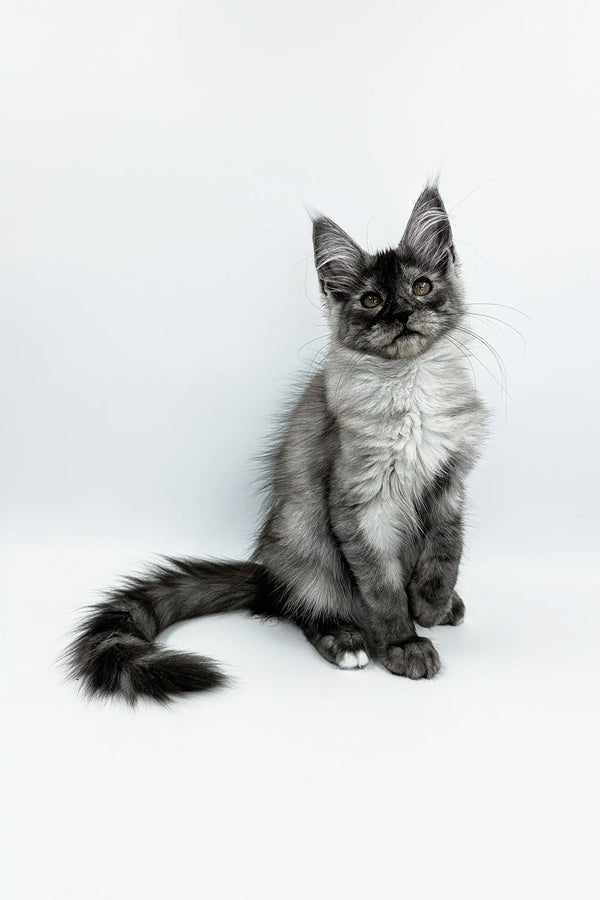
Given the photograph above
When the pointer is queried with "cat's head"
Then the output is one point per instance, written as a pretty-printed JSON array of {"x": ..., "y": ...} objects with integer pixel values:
[{"x": 396, "y": 303}]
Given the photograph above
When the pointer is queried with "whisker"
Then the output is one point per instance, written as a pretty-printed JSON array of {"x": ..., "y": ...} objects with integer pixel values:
[
  {"x": 321, "y": 337},
  {"x": 317, "y": 363},
  {"x": 506, "y": 306},
  {"x": 318, "y": 359},
  {"x": 498, "y": 359},
  {"x": 497, "y": 331},
  {"x": 463, "y": 350},
  {"x": 502, "y": 322}
]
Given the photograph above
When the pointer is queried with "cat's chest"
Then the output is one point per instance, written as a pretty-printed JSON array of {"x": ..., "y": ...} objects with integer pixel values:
[
  {"x": 396, "y": 439},
  {"x": 402, "y": 446},
  {"x": 399, "y": 428}
]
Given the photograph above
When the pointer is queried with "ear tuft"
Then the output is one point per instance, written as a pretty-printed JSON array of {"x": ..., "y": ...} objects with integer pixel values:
[
  {"x": 338, "y": 259},
  {"x": 428, "y": 234}
]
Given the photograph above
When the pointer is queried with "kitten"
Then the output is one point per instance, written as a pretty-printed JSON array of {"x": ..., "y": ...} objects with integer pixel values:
[{"x": 363, "y": 532}]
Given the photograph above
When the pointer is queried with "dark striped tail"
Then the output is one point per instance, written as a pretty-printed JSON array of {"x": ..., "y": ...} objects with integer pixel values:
[{"x": 114, "y": 651}]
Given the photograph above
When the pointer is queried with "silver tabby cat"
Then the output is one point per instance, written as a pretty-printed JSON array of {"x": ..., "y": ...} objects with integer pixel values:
[{"x": 362, "y": 537}]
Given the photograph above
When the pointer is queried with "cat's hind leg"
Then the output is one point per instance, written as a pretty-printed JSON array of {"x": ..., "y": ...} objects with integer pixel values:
[{"x": 340, "y": 643}]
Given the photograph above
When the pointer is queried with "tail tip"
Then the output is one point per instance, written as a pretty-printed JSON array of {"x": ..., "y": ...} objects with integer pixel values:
[{"x": 138, "y": 670}]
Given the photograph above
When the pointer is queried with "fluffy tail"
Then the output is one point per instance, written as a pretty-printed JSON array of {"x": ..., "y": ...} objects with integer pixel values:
[{"x": 114, "y": 652}]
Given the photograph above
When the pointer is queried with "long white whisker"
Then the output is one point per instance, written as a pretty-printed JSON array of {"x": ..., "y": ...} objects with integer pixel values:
[
  {"x": 462, "y": 349},
  {"x": 506, "y": 306},
  {"x": 498, "y": 359},
  {"x": 490, "y": 347},
  {"x": 321, "y": 337},
  {"x": 502, "y": 322}
]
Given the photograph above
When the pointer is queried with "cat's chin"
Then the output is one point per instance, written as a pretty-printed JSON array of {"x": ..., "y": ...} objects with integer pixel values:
[{"x": 406, "y": 346}]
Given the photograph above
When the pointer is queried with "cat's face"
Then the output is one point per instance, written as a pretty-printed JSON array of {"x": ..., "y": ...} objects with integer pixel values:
[{"x": 396, "y": 303}]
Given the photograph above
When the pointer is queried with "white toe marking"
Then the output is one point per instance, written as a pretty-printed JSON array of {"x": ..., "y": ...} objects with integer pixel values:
[{"x": 353, "y": 660}]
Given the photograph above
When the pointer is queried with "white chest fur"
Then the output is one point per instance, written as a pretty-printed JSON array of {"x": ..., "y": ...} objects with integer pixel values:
[{"x": 400, "y": 422}]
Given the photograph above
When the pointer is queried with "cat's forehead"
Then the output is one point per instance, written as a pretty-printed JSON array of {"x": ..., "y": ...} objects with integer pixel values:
[
  {"x": 390, "y": 266},
  {"x": 386, "y": 265}
]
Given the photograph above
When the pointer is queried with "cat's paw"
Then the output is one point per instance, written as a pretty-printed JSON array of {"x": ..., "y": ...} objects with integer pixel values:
[
  {"x": 345, "y": 648},
  {"x": 353, "y": 660},
  {"x": 415, "y": 658},
  {"x": 456, "y": 613},
  {"x": 428, "y": 614}
]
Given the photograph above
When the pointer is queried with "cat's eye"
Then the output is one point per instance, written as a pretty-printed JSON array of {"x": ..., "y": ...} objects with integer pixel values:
[
  {"x": 421, "y": 287},
  {"x": 370, "y": 301}
]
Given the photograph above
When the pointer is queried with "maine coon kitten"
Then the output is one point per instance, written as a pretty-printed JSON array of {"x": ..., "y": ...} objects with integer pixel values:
[{"x": 363, "y": 532}]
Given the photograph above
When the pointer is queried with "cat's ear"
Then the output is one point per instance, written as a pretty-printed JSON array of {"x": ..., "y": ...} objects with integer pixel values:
[
  {"x": 338, "y": 259},
  {"x": 428, "y": 235}
]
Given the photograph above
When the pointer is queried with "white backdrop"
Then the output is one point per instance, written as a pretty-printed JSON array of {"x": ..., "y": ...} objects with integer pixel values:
[{"x": 158, "y": 297}]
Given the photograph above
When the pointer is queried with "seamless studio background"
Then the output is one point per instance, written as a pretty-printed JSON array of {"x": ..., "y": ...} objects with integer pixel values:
[{"x": 158, "y": 301}]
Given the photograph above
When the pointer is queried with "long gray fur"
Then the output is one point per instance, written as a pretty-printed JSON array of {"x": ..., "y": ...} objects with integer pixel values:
[{"x": 362, "y": 535}]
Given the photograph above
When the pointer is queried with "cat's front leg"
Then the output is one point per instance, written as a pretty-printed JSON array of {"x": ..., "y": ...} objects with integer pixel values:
[
  {"x": 379, "y": 577},
  {"x": 398, "y": 646},
  {"x": 431, "y": 594}
]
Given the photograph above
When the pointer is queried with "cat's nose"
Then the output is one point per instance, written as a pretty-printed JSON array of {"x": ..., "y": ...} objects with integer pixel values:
[{"x": 403, "y": 316}]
